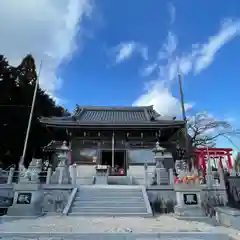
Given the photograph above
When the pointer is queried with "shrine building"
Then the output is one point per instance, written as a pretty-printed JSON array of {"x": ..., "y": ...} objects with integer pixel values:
[{"x": 123, "y": 136}]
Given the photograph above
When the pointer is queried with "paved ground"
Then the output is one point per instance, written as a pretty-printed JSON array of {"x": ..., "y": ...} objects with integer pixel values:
[{"x": 164, "y": 223}]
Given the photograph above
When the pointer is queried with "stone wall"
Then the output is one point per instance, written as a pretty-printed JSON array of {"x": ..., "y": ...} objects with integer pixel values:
[
  {"x": 55, "y": 196},
  {"x": 161, "y": 192},
  {"x": 55, "y": 200}
]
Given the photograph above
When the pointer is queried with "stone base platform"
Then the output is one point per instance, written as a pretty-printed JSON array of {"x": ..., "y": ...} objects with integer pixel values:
[
  {"x": 123, "y": 227},
  {"x": 117, "y": 236},
  {"x": 228, "y": 216}
]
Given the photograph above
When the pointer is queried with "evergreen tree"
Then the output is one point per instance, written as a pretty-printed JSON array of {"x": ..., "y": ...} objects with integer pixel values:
[{"x": 16, "y": 93}]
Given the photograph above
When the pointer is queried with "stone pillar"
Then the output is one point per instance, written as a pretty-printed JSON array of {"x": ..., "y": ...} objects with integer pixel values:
[
  {"x": 146, "y": 174},
  {"x": 28, "y": 193},
  {"x": 210, "y": 178},
  {"x": 28, "y": 200},
  {"x": 188, "y": 198},
  {"x": 49, "y": 174},
  {"x": 223, "y": 186},
  {"x": 74, "y": 173},
  {"x": 232, "y": 172},
  {"x": 10, "y": 176},
  {"x": 160, "y": 171},
  {"x": 60, "y": 177},
  {"x": 171, "y": 176}
]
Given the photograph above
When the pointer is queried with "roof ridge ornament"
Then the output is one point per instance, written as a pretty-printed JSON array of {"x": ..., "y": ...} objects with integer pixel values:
[{"x": 76, "y": 110}]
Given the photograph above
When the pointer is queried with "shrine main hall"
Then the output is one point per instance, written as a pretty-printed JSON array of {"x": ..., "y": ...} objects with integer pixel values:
[{"x": 123, "y": 136}]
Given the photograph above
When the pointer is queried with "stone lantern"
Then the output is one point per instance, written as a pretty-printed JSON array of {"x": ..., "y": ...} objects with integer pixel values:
[
  {"x": 62, "y": 174},
  {"x": 62, "y": 154},
  {"x": 160, "y": 172}
]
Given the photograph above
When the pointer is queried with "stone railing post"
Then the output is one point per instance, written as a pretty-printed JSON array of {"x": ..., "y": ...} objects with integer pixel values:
[
  {"x": 10, "y": 176},
  {"x": 146, "y": 174},
  {"x": 146, "y": 177},
  {"x": 171, "y": 176},
  {"x": 49, "y": 174},
  {"x": 74, "y": 173},
  {"x": 61, "y": 172},
  {"x": 158, "y": 172},
  {"x": 223, "y": 185}
]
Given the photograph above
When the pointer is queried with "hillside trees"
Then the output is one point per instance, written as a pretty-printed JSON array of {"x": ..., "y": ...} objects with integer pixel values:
[{"x": 16, "y": 93}]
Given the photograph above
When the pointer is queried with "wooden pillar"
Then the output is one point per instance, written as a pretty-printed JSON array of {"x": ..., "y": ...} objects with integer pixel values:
[
  {"x": 229, "y": 161},
  {"x": 113, "y": 145}
]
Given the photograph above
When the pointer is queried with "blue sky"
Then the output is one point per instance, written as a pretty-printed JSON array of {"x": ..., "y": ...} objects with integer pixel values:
[
  {"x": 92, "y": 76},
  {"x": 126, "y": 52},
  {"x": 128, "y": 37}
]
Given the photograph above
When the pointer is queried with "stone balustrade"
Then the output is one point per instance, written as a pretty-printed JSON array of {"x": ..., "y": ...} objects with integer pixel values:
[
  {"x": 45, "y": 175},
  {"x": 148, "y": 177}
]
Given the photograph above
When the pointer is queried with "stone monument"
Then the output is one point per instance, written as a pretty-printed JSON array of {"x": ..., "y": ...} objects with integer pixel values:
[
  {"x": 160, "y": 172},
  {"x": 28, "y": 193},
  {"x": 188, "y": 196},
  {"x": 62, "y": 174}
]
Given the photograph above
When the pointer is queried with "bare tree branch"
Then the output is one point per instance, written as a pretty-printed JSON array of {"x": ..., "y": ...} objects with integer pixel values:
[{"x": 205, "y": 129}]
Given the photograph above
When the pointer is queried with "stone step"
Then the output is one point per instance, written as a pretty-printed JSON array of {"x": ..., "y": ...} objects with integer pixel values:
[
  {"x": 107, "y": 198},
  {"x": 110, "y": 192},
  {"x": 111, "y": 196},
  {"x": 107, "y": 214},
  {"x": 107, "y": 203},
  {"x": 107, "y": 209},
  {"x": 104, "y": 198},
  {"x": 127, "y": 190}
]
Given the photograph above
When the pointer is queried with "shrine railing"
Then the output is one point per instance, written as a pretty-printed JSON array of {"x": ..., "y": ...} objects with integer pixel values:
[{"x": 12, "y": 177}]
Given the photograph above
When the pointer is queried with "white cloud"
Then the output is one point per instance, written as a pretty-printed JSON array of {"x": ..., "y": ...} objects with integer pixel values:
[
  {"x": 163, "y": 101},
  {"x": 125, "y": 50},
  {"x": 168, "y": 63},
  {"x": 172, "y": 13},
  {"x": 228, "y": 31},
  {"x": 46, "y": 29}
]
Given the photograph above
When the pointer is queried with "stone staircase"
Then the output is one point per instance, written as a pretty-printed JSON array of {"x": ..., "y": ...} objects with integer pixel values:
[{"x": 111, "y": 200}]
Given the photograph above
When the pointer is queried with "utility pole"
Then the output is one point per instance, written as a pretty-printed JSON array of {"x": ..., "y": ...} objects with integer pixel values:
[
  {"x": 30, "y": 117},
  {"x": 183, "y": 114}
]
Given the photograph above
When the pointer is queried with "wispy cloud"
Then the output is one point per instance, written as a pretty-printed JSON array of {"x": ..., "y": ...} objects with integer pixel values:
[
  {"x": 125, "y": 50},
  {"x": 50, "y": 37},
  {"x": 168, "y": 63},
  {"x": 172, "y": 13},
  {"x": 207, "y": 52}
]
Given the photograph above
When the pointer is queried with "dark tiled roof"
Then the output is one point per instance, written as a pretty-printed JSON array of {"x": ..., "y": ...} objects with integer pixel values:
[
  {"x": 115, "y": 114},
  {"x": 110, "y": 115}
]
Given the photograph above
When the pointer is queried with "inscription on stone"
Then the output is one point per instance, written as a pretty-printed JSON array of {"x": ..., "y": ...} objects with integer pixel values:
[
  {"x": 190, "y": 199},
  {"x": 24, "y": 198}
]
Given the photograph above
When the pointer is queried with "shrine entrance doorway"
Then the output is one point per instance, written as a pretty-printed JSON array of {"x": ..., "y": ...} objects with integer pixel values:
[{"x": 116, "y": 159}]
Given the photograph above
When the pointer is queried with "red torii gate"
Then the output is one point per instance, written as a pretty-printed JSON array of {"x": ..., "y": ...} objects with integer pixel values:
[{"x": 220, "y": 153}]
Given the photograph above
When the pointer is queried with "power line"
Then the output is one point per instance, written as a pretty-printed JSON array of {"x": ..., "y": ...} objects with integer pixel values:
[{"x": 5, "y": 105}]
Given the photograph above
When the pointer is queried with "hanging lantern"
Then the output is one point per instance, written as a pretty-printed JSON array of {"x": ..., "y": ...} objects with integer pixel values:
[
  {"x": 99, "y": 134},
  {"x": 141, "y": 135},
  {"x": 84, "y": 134}
]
